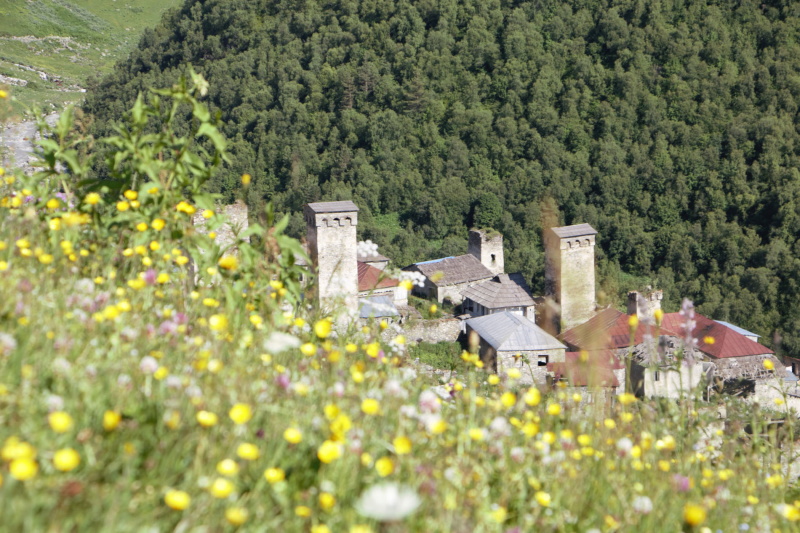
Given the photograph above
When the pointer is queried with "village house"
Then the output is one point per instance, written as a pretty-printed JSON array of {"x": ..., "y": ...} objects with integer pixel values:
[
  {"x": 509, "y": 340},
  {"x": 504, "y": 292},
  {"x": 596, "y": 376},
  {"x": 446, "y": 278}
]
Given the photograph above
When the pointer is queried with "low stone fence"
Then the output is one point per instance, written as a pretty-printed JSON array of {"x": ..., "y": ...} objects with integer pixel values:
[{"x": 433, "y": 331}]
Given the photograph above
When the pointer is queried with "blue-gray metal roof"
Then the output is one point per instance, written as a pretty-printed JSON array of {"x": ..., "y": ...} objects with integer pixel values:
[
  {"x": 509, "y": 332},
  {"x": 376, "y": 307},
  {"x": 737, "y": 329}
]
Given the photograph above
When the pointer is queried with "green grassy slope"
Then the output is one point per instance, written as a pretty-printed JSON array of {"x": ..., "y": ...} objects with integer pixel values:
[{"x": 55, "y": 45}]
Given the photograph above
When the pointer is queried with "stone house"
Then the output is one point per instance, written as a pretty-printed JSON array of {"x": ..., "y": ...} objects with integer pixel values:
[
  {"x": 509, "y": 340},
  {"x": 596, "y": 376},
  {"x": 504, "y": 292},
  {"x": 446, "y": 278}
]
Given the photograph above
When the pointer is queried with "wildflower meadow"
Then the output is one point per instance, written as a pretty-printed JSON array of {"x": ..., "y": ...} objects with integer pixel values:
[{"x": 152, "y": 381}]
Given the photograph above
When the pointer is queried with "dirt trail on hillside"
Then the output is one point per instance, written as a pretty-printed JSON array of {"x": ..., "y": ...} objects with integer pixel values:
[{"x": 16, "y": 140}]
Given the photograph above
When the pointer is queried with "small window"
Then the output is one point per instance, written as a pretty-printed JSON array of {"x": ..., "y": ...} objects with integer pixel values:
[
  {"x": 543, "y": 360},
  {"x": 493, "y": 258},
  {"x": 656, "y": 375}
]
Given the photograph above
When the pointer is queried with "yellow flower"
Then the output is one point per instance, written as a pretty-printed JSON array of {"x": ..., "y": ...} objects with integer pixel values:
[
  {"x": 433, "y": 308},
  {"x": 158, "y": 224},
  {"x": 322, "y": 328},
  {"x": 302, "y": 511},
  {"x": 236, "y": 516},
  {"x": 633, "y": 321},
  {"x": 320, "y": 528},
  {"x": 499, "y": 514},
  {"x": 274, "y": 475},
  {"x": 177, "y": 499},
  {"x": 554, "y": 409},
  {"x": 326, "y": 501},
  {"x": 52, "y": 203},
  {"x": 3, "y": 94},
  {"x": 221, "y": 488},
  {"x": 308, "y": 349},
  {"x": 293, "y": 435},
  {"x": 185, "y": 207},
  {"x": 768, "y": 364},
  {"x": 329, "y": 451},
  {"x": 532, "y": 397},
  {"x": 60, "y": 421},
  {"x": 45, "y": 259},
  {"x": 248, "y": 451},
  {"x": 111, "y": 420},
  {"x": 207, "y": 419},
  {"x": 23, "y": 469},
  {"x": 508, "y": 399},
  {"x": 694, "y": 514},
  {"x": 384, "y": 466},
  {"x": 66, "y": 459},
  {"x": 228, "y": 262},
  {"x": 228, "y": 467},
  {"x": 476, "y": 434},
  {"x": 543, "y": 498},
  {"x": 246, "y": 179},
  {"x": 370, "y": 406},
  {"x": 207, "y": 213},
  {"x": 131, "y": 195},
  {"x": 402, "y": 445},
  {"x": 241, "y": 413},
  {"x": 123, "y": 206},
  {"x": 162, "y": 278},
  {"x": 218, "y": 322},
  {"x": 626, "y": 398}
]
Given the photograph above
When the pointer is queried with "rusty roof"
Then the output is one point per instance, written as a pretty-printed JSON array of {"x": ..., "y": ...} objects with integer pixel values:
[
  {"x": 609, "y": 329},
  {"x": 371, "y": 278},
  {"x": 453, "y": 270},
  {"x": 503, "y": 290}
]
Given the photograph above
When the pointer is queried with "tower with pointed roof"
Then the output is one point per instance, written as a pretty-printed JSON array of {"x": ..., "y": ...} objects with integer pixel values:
[{"x": 569, "y": 273}]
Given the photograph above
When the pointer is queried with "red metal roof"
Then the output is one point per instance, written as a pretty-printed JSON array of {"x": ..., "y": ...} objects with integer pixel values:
[
  {"x": 605, "y": 358},
  {"x": 725, "y": 342},
  {"x": 609, "y": 329},
  {"x": 371, "y": 278}
]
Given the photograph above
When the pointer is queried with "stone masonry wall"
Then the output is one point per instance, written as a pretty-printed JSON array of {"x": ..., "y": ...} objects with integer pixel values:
[{"x": 441, "y": 330}]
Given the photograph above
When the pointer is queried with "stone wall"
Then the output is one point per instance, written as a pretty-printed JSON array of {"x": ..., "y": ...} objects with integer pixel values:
[
  {"x": 665, "y": 382},
  {"x": 769, "y": 390},
  {"x": 237, "y": 222},
  {"x": 487, "y": 246},
  {"x": 527, "y": 362},
  {"x": 439, "y": 330}
]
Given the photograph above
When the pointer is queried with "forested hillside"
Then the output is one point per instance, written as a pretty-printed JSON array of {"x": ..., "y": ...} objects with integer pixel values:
[{"x": 670, "y": 126}]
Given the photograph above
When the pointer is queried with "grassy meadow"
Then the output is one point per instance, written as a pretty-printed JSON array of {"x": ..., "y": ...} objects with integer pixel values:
[
  {"x": 68, "y": 41},
  {"x": 152, "y": 381}
]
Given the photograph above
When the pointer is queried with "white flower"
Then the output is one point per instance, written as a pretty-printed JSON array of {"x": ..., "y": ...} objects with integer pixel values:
[
  {"x": 388, "y": 502},
  {"x": 395, "y": 389},
  {"x": 642, "y": 504},
  {"x": 61, "y": 365},
  {"x": 624, "y": 445},
  {"x": 429, "y": 402},
  {"x": 148, "y": 364},
  {"x": 54, "y": 403},
  {"x": 7, "y": 344},
  {"x": 280, "y": 342},
  {"x": 367, "y": 249},
  {"x": 499, "y": 427}
]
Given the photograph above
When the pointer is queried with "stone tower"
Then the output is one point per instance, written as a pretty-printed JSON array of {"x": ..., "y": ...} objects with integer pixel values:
[
  {"x": 569, "y": 272},
  {"x": 332, "y": 245},
  {"x": 644, "y": 305},
  {"x": 487, "y": 246}
]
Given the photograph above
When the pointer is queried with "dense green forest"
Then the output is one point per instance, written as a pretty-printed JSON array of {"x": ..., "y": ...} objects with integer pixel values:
[{"x": 671, "y": 126}]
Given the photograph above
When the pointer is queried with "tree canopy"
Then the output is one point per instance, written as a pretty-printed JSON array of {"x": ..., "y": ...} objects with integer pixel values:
[{"x": 671, "y": 126}]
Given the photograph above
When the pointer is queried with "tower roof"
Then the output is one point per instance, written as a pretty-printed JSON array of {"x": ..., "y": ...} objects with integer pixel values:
[
  {"x": 576, "y": 230},
  {"x": 503, "y": 290},
  {"x": 344, "y": 206},
  {"x": 453, "y": 270}
]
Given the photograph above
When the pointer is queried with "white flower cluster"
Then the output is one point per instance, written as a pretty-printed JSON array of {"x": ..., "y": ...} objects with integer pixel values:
[
  {"x": 416, "y": 278},
  {"x": 7, "y": 344},
  {"x": 367, "y": 248},
  {"x": 388, "y": 502}
]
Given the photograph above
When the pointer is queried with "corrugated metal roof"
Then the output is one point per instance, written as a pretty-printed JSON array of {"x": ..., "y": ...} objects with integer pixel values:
[
  {"x": 502, "y": 291},
  {"x": 576, "y": 230},
  {"x": 508, "y": 332},
  {"x": 737, "y": 329},
  {"x": 726, "y": 342},
  {"x": 453, "y": 270},
  {"x": 371, "y": 278},
  {"x": 376, "y": 307},
  {"x": 344, "y": 206}
]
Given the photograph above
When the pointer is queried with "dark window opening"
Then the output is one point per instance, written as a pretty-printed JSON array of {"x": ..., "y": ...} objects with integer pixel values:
[
  {"x": 656, "y": 375},
  {"x": 543, "y": 360}
]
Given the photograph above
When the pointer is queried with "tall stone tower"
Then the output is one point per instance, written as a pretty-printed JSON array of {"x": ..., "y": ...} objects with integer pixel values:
[
  {"x": 487, "y": 246},
  {"x": 332, "y": 245},
  {"x": 569, "y": 272}
]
